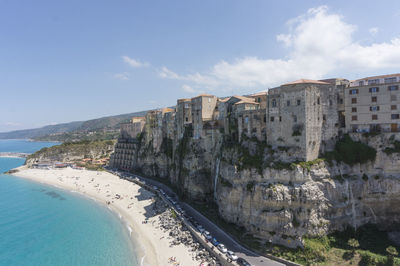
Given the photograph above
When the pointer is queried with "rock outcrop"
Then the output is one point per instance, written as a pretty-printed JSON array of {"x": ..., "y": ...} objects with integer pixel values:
[{"x": 278, "y": 201}]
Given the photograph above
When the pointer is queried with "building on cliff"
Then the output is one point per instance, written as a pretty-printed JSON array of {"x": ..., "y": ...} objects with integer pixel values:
[
  {"x": 203, "y": 108},
  {"x": 373, "y": 104},
  {"x": 124, "y": 149},
  {"x": 305, "y": 116}
]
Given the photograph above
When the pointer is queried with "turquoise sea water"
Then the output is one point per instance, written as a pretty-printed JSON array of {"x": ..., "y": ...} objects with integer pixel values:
[{"x": 43, "y": 225}]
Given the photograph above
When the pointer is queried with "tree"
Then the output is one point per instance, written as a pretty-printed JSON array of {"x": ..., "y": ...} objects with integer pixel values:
[
  {"x": 392, "y": 252},
  {"x": 353, "y": 243}
]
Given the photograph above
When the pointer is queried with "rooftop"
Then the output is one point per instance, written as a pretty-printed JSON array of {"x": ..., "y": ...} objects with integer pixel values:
[
  {"x": 203, "y": 95},
  {"x": 261, "y": 93},
  {"x": 306, "y": 81},
  {"x": 380, "y": 77},
  {"x": 246, "y": 102}
]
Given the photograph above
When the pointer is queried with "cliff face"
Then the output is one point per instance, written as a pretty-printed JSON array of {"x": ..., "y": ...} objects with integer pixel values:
[
  {"x": 70, "y": 152},
  {"x": 274, "y": 200}
]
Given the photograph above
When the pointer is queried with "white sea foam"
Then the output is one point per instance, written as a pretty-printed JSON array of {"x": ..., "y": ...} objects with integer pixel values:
[{"x": 129, "y": 229}]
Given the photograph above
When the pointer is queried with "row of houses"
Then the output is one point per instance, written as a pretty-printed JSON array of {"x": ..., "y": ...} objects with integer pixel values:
[{"x": 307, "y": 116}]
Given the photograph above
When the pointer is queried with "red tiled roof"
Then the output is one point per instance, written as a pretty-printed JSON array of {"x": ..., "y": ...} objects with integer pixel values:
[
  {"x": 306, "y": 81},
  {"x": 380, "y": 77},
  {"x": 204, "y": 95},
  {"x": 245, "y": 102},
  {"x": 261, "y": 93}
]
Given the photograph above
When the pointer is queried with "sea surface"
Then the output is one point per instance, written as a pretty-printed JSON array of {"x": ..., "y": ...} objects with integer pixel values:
[{"x": 43, "y": 225}]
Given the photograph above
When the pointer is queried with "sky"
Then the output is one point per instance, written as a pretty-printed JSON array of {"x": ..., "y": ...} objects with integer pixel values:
[{"x": 75, "y": 60}]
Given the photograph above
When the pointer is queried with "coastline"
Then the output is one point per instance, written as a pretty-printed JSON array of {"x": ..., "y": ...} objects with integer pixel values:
[{"x": 129, "y": 201}]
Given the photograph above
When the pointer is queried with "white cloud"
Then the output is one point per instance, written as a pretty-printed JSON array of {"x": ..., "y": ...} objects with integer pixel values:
[
  {"x": 319, "y": 44},
  {"x": 12, "y": 124},
  {"x": 373, "y": 31},
  {"x": 133, "y": 62},
  {"x": 187, "y": 88},
  {"x": 121, "y": 76}
]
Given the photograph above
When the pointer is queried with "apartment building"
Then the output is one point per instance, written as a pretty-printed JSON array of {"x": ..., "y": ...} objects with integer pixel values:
[
  {"x": 373, "y": 104},
  {"x": 203, "y": 108},
  {"x": 183, "y": 115}
]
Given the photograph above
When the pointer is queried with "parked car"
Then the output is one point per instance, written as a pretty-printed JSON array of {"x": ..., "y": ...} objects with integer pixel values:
[
  {"x": 200, "y": 228},
  {"x": 222, "y": 248},
  {"x": 207, "y": 235},
  {"x": 231, "y": 255},
  {"x": 242, "y": 262},
  {"x": 215, "y": 242}
]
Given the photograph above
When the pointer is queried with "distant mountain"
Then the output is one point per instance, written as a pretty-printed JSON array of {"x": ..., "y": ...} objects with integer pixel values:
[{"x": 99, "y": 124}]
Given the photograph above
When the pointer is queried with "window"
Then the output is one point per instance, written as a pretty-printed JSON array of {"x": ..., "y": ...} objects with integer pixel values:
[
  {"x": 354, "y": 118},
  {"x": 393, "y": 107},
  {"x": 373, "y": 81},
  {"x": 298, "y": 102},
  {"x": 330, "y": 102},
  {"x": 272, "y": 119},
  {"x": 318, "y": 102},
  {"x": 341, "y": 100},
  {"x": 259, "y": 99},
  {"x": 390, "y": 80},
  {"x": 393, "y": 97},
  {"x": 374, "y": 99},
  {"x": 374, "y": 108},
  {"x": 395, "y": 116},
  {"x": 209, "y": 100},
  {"x": 374, "y": 89},
  {"x": 354, "y": 109},
  {"x": 361, "y": 83},
  {"x": 324, "y": 117},
  {"x": 288, "y": 103},
  {"x": 280, "y": 119},
  {"x": 246, "y": 120},
  {"x": 294, "y": 118},
  {"x": 393, "y": 88},
  {"x": 353, "y": 100},
  {"x": 187, "y": 119},
  {"x": 273, "y": 103},
  {"x": 265, "y": 118},
  {"x": 353, "y": 91},
  {"x": 374, "y": 117}
]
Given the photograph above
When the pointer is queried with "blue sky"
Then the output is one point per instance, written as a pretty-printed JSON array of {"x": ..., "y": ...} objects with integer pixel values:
[{"x": 63, "y": 61}]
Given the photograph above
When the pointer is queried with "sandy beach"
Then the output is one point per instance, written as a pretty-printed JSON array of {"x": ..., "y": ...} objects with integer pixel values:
[{"x": 133, "y": 204}]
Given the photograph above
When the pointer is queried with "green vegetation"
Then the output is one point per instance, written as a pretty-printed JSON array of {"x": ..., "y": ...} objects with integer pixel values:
[
  {"x": 225, "y": 183},
  {"x": 84, "y": 149},
  {"x": 250, "y": 186},
  {"x": 80, "y": 136},
  {"x": 173, "y": 214},
  {"x": 331, "y": 249},
  {"x": 351, "y": 152},
  {"x": 307, "y": 165},
  {"x": 395, "y": 149},
  {"x": 366, "y": 246}
]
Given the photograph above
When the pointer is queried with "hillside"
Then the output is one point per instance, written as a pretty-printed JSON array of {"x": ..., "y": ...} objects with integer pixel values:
[
  {"x": 89, "y": 154},
  {"x": 105, "y": 126}
]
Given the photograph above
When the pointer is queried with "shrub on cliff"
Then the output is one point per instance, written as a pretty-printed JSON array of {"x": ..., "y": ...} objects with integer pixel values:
[{"x": 351, "y": 152}]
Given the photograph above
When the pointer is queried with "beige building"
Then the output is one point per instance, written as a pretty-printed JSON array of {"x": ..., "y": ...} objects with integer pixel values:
[
  {"x": 183, "y": 115},
  {"x": 373, "y": 104},
  {"x": 133, "y": 128},
  {"x": 296, "y": 115},
  {"x": 260, "y": 98},
  {"x": 203, "y": 108}
]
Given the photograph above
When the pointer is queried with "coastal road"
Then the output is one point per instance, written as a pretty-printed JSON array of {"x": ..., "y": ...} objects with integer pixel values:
[{"x": 222, "y": 236}]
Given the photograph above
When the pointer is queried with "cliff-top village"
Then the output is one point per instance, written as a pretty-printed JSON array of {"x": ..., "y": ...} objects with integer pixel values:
[{"x": 308, "y": 116}]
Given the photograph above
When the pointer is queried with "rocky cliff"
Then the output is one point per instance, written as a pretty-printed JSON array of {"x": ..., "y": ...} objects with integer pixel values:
[
  {"x": 277, "y": 200},
  {"x": 71, "y": 152}
]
